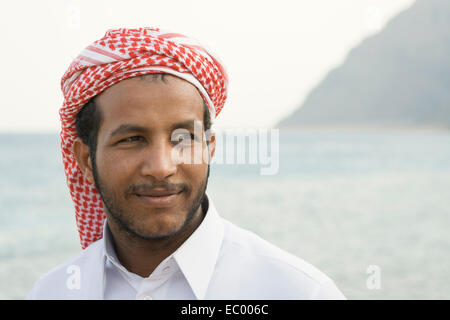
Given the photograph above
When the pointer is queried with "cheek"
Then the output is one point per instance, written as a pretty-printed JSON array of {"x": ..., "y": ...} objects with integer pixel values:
[
  {"x": 195, "y": 174},
  {"x": 114, "y": 169}
]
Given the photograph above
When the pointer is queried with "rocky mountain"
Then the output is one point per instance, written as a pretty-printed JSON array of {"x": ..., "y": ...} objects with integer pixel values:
[{"x": 398, "y": 77}]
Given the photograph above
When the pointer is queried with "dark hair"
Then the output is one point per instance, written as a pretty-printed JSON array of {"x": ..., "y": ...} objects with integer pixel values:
[{"x": 89, "y": 118}]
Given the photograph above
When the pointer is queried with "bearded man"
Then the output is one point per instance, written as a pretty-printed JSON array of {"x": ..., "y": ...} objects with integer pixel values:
[{"x": 133, "y": 102}]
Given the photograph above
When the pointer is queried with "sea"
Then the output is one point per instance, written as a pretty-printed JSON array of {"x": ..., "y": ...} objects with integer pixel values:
[{"x": 371, "y": 209}]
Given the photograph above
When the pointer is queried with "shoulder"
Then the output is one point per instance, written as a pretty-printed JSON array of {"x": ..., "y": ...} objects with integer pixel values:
[
  {"x": 272, "y": 271},
  {"x": 68, "y": 280}
]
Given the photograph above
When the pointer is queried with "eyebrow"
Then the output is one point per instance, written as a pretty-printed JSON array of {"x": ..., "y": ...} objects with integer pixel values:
[
  {"x": 127, "y": 127},
  {"x": 187, "y": 124}
]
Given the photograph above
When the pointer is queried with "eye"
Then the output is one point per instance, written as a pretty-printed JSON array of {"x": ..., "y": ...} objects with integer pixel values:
[
  {"x": 184, "y": 137},
  {"x": 131, "y": 139}
]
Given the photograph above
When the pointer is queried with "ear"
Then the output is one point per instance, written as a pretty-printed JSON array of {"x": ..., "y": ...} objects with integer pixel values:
[{"x": 83, "y": 158}]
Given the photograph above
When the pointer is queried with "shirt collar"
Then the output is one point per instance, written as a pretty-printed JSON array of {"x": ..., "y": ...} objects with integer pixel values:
[{"x": 196, "y": 257}]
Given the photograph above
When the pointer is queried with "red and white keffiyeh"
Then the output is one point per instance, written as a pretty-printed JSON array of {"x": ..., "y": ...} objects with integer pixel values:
[{"x": 122, "y": 54}]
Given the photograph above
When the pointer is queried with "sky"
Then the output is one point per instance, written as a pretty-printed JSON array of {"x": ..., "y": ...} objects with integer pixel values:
[{"x": 275, "y": 52}]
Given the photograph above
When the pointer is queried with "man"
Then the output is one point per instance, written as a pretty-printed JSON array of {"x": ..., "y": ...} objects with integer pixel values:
[{"x": 133, "y": 102}]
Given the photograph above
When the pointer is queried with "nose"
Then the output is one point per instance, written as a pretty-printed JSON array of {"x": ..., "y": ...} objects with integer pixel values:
[{"x": 157, "y": 160}]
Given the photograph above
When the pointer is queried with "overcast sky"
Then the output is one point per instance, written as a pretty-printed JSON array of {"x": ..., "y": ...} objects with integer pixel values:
[{"x": 275, "y": 52}]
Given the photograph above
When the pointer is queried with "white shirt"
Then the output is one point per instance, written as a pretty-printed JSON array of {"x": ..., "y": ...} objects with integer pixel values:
[{"x": 218, "y": 261}]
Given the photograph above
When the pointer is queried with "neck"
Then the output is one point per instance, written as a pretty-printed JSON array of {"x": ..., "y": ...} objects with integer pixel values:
[{"x": 142, "y": 256}]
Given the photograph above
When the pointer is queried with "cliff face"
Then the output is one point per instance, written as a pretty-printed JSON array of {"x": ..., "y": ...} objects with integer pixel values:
[{"x": 399, "y": 77}]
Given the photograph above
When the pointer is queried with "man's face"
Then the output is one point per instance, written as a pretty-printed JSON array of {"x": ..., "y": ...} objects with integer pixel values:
[{"x": 135, "y": 155}]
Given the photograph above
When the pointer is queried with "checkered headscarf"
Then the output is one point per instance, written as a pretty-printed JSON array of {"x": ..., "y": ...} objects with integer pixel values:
[{"x": 122, "y": 54}]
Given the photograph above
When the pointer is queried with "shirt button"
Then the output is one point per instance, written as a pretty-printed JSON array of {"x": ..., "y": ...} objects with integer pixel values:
[
  {"x": 146, "y": 298},
  {"x": 166, "y": 269}
]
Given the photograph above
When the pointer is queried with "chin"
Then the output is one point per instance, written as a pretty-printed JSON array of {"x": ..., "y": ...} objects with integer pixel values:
[{"x": 157, "y": 228}]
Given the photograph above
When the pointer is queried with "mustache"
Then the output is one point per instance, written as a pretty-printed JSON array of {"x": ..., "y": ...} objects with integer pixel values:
[{"x": 166, "y": 186}]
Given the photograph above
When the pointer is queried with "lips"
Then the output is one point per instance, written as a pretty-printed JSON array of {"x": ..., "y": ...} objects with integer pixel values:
[
  {"x": 158, "y": 193},
  {"x": 158, "y": 198}
]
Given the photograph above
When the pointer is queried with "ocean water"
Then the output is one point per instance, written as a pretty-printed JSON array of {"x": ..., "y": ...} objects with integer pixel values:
[{"x": 345, "y": 201}]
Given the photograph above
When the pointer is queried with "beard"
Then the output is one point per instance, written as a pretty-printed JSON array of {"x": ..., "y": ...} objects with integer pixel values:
[{"x": 124, "y": 218}]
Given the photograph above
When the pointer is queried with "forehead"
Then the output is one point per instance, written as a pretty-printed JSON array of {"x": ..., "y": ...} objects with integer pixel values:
[{"x": 150, "y": 102}]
